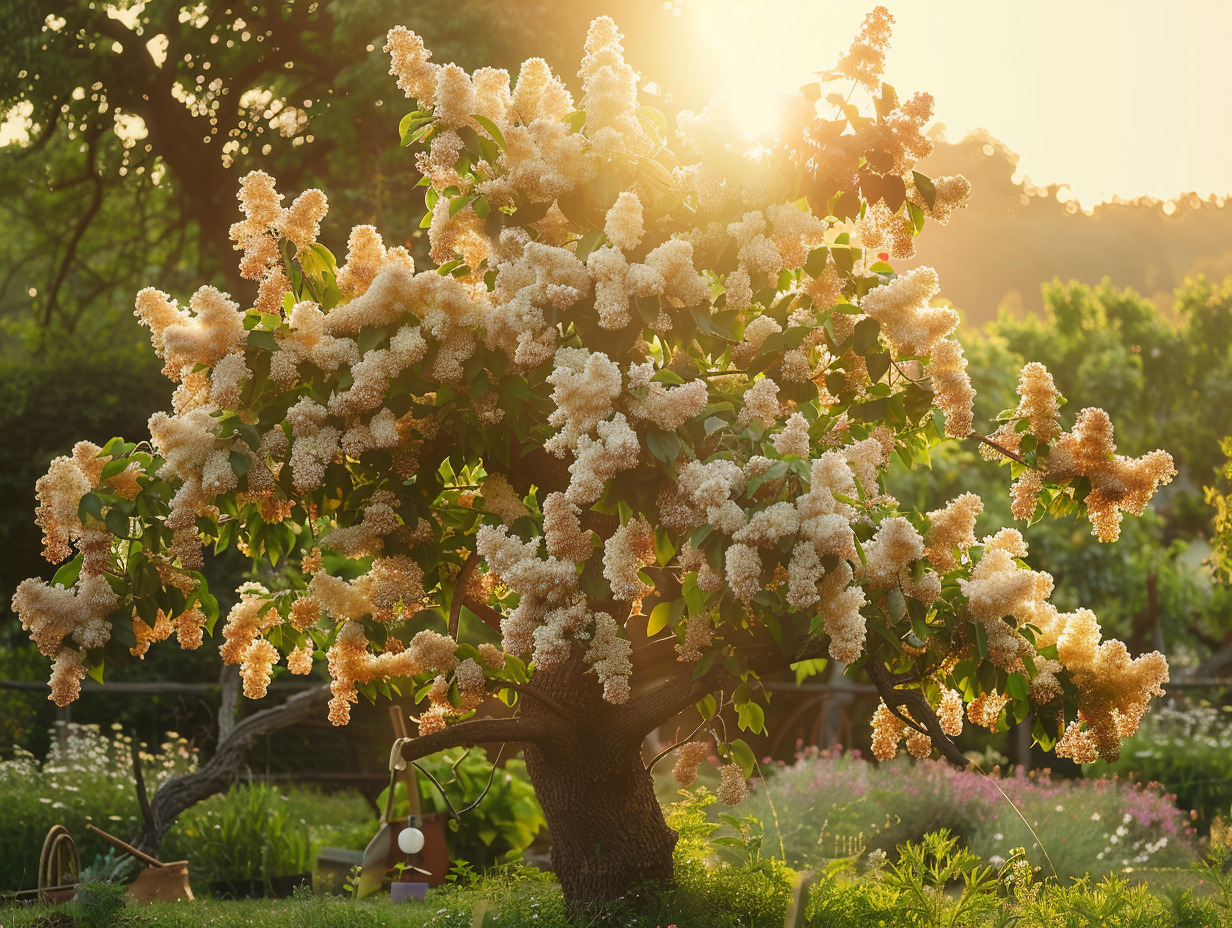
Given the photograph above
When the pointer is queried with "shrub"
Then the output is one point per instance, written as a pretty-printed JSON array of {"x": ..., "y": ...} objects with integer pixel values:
[
  {"x": 250, "y": 832},
  {"x": 87, "y": 778},
  {"x": 829, "y": 805},
  {"x": 504, "y": 823},
  {"x": 1188, "y": 749}
]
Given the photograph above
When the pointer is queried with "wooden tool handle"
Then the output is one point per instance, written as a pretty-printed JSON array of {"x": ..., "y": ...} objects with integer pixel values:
[
  {"x": 125, "y": 846},
  {"x": 412, "y": 781}
]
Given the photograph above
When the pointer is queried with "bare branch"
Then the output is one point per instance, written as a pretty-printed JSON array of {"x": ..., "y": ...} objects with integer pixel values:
[
  {"x": 1013, "y": 456},
  {"x": 468, "y": 734},
  {"x": 459, "y": 593}
]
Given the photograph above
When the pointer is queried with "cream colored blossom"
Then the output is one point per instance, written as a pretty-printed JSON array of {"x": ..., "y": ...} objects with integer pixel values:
[
  {"x": 910, "y": 325},
  {"x": 950, "y": 528},
  {"x": 733, "y": 786},
  {"x": 609, "y": 654},
  {"x": 892, "y": 550},
  {"x": 742, "y": 565},
  {"x": 1118, "y": 483},
  {"x": 501, "y": 499},
  {"x": 689, "y": 757},
  {"x": 623, "y": 224},
  {"x": 793, "y": 441},
  {"x": 409, "y": 62},
  {"x": 626, "y": 551},
  {"x": 761, "y": 402},
  {"x": 840, "y": 603},
  {"x": 584, "y": 388},
  {"x": 952, "y": 391},
  {"x": 609, "y": 95},
  {"x": 597, "y": 460}
]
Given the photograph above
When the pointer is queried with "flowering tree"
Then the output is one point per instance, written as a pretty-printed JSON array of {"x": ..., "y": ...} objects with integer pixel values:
[{"x": 635, "y": 420}]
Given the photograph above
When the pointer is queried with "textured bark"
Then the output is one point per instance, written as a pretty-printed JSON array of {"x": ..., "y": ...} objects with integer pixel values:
[
  {"x": 219, "y": 772},
  {"x": 607, "y": 828}
]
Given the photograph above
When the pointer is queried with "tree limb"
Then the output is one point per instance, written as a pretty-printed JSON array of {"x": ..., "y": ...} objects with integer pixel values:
[
  {"x": 219, "y": 772},
  {"x": 459, "y": 593},
  {"x": 468, "y": 734},
  {"x": 920, "y": 711}
]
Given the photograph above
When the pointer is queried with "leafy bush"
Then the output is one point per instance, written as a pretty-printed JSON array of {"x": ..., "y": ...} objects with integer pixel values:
[
  {"x": 1189, "y": 750},
  {"x": 250, "y": 832},
  {"x": 88, "y": 778},
  {"x": 933, "y": 883},
  {"x": 504, "y": 823},
  {"x": 830, "y": 805}
]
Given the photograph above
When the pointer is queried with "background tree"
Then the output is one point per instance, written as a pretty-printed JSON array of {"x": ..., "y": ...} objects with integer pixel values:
[{"x": 645, "y": 371}]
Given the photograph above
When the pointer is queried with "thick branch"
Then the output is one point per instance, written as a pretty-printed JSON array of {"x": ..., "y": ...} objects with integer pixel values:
[
  {"x": 917, "y": 706},
  {"x": 526, "y": 690},
  {"x": 83, "y": 223},
  {"x": 468, "y": 734},
  {"x": 486, "y": 613},
  {"x": 220, "y": 771}
]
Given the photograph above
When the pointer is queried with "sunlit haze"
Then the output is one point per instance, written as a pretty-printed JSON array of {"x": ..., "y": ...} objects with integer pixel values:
[{"x": 1125, "y": 98}]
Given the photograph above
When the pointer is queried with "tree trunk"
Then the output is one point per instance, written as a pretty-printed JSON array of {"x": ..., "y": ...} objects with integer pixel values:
[
  {"x": 606, "y": 826},
  {"x": 607, "y": 829}
]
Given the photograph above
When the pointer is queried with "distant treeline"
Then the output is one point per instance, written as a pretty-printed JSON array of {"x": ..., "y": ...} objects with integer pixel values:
[{"x": 1011, "y": 237}]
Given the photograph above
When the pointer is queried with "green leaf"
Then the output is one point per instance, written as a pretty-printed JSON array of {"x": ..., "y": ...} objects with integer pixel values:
[
  {"x": 707, "y": 707},
  {"x": 750, "y": 716},
  {"x": 743, "y": 755},
  {"x": 925, "y": 185},
  {"x": 66, "y": 576},
  {"x": 91, "y": 505},
  {"x": 865, "y": 336},
  {"x": 877, "y": 362},
  {"x": 588, "y": 243},
  {"x": 816, "y": 263},
  {"x": 490, "y": 127},
  {"x": 117, "y": 523},
  {"x": 1017, "y": 686},
  {"x": 113, "y": 467},
  {"x": 660, "y": 615},
  {"x": 240, "y": 463},
  {"x": 663, "y": 445},
  {"x": 457, "y": 204},
  {"x": 981, "y": 639}
]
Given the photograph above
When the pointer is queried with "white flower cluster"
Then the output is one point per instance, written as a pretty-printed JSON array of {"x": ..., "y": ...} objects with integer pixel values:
[
  {"x": 551, "y": 613},
  {"x": 910, "y": 325}
]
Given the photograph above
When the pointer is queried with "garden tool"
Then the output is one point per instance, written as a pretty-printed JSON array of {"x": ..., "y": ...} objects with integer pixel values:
[
  {"x": 59, "y": 866},
  {"x": 166, "y": 882},
  {"x": 379, "y": 854}
]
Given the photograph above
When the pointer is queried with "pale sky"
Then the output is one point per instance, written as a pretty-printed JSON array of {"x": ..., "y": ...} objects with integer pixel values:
[{"x": 1121, "y": 98}]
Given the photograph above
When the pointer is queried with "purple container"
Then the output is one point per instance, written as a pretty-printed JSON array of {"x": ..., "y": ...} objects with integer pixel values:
[{"x": 401, "y": 892}]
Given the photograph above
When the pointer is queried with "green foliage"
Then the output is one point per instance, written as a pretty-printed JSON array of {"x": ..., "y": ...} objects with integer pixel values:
[
  {"x": 831, "y": 806},
  {"x": 88, "y": 778},
  {"x": 505, "y": 822},
  {"x": 98, "y": 904},
  {"x": 251, "y": 832},
  {"x": 1188, "y": 749}
]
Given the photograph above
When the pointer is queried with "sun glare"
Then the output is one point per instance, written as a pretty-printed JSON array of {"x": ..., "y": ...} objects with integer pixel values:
[
  {"x": 756, "y": 70},
  {"x": 994, "y": 66}
]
